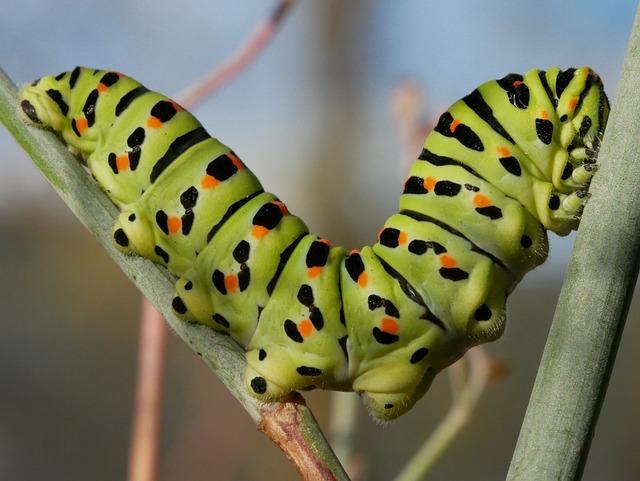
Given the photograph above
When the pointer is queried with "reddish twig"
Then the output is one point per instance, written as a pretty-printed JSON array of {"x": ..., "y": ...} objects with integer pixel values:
[
  {"x": 143, "y": 453},
  {"x": 239, "y": 60}
]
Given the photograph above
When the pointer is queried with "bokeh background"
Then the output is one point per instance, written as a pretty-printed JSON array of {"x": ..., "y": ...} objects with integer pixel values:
[{"x": 312, "y": 118}]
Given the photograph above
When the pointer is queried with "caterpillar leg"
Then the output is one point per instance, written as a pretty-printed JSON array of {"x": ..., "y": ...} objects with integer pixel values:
[{"x": 133, "y": 234}]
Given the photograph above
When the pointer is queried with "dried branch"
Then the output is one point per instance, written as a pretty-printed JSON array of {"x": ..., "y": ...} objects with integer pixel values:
[
  {"x": 143, "y": 452},
  {"x": 239, "y": 60}
]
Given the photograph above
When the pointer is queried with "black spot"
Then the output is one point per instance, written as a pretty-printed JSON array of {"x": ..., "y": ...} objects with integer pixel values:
[
  {"x": 564, "y": 117},
  {"x": 89, "y": 107},
  {"x": 542, "y": 75},
  {"x": 419, "y": 355},
  {"x": 554, "y": 202},
  {"x": 388, "y": 405},
  {"x": 354, "y": 265},
  {"x": 472, "y": 188},
  {"x": 284, "y": 258},
  {"x": 511, "y": 165},
  {"x": 136, "y": 138},
  {"x": 308, "y": 371},
  {"x": 492, "y": 212},
  {"x": 109, "y": 79},
  {"x": 390, "y": 309},
  {"x": 244, "y": 277},
  {"x": 483, "y": 313},
  {"x": 453, "y": 273},
  {"x": 134, "y": 157},
  {"x": 476, "y": 102},
  {"x": 129, "y": 97},
  {"x": 525, "y": 241},
  {"x": 74, "y": 127},
  {"x": 563, "y": 79},
  {"x": 221, "y": 168},
  {"x": 56, "y": 96},
  {"x": 163, "y": 221},
  {"x": 163, "y": 111},
  {"x": 291, "y": 330},
  {"x": 259, "y": 385},
  {"x": 517, "y": 90},
  {"x": 218, "y": 281},
  {"x": 447, "y": 188},
  {"x": 544, "y": 130},
  {"x": 316, "y": 318},
  {"x": 462, "y": 133},
  {"x": 131, "y": 217},
  {"x": 73, "y": 78},
  {"x": 189, "y": 197},
  {"x": 241, "y": 252},
  {"x": 305, "y": 295},
  {"x": 176, "y": 149},
  {"x": 178, "y": 305},
  {"x": 187, "y": 221},
  {"x": 389, "y": 237},
  {"x": 568, "y": 170},
  {"x": 121, "y": 238},
  {"x": 111, "y": 160},
  {"x": 374, "y": 301},
  {"x": 268, "y": 216},
  {"x": 162, "y": 254},
  {"x": 220, "y": 319},
  {"x": 417, "y": 247},
  {"x": 585, "y": 125},
  {"x": 188, "y": 286},
  {"x": 384, "y": 337},
  {"x": 262, "y": 354},
  {"x": 60, "y": 76},
  {"x": 415, "y": 185},
  {"x": 30, "y": 111},
  {"x": 318, "y": 254}
]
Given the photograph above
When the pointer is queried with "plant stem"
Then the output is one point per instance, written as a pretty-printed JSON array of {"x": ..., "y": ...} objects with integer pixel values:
[
  {"x": 289, "y": 424},
  {"x": 580, "y": 351}
]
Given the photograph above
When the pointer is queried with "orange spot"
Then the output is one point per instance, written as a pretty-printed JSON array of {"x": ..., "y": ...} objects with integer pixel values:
[
  {"x": 209, "y": 182},
  {"x": 176, "y": 105},
  {"x": 544, "y": 114},
  {"x": 354, "y": 251},
  {"x": 573, "y": 101},
  {"x": 314, "y": 271},
  {"x": 402, "y": 238},
  {"x": 448, "y": 261},
  {"x": 81, "y": 124},
  {"x": 305, "y": 328},
  {"x": 325, "y": 241},
  {"x": 389, "y": 325},
  {"x": 481, "y": 200},
  {"x": 154, "y": 122},
  {"x": 517, "y": 83},
  {"x": 363, "y": 279},
  {"x": 503, "y": 151},
  {"x": 231, "y": 283},
  {"x": 174, "y": 224},
  {"x": 235, "y": 161},
  {"x": 282, "y": 207},
  {"x": 454, "y": 125},
  {"x": 429, "y": 183},
  {"x": 101, "y": 87},
  {"x": 122, "y": 162},
  {"x": 259, "y": 231}
]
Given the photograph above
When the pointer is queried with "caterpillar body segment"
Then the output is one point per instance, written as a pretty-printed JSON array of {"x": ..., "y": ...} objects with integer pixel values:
[{"x": 504, "y": 164}]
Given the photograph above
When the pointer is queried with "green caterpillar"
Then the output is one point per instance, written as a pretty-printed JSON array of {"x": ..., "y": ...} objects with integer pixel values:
[{"x": 504, "y": 164}]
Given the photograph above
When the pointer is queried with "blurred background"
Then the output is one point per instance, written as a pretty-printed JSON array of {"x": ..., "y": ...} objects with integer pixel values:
[{"x": 312, "y": 117}]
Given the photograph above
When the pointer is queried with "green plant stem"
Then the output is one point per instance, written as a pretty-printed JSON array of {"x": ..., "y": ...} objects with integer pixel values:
[
  {"x": 291, "y": 424},
  {"x": 577, "y": 361}
]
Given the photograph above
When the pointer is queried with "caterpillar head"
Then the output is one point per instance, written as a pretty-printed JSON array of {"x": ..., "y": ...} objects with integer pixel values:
[
  {"x": 583, "y": 109},
  {"x": 44, "y": 104}
]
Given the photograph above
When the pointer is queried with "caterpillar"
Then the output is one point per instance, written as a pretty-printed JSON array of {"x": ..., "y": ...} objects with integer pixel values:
[{"x": 509, "y": 161}]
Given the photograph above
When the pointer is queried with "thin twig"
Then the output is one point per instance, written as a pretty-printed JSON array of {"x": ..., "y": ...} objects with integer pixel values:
[
  {"x": 239, "y": 60},
  {"x": 143, "y": 452},
  {"x": 480, "y": 369},
  {"x": 305, "y": 444},
  {"x": 342, "y": 428}
]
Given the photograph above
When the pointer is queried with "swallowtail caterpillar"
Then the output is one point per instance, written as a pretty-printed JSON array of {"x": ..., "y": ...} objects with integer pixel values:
[{"x": 503, "y": 165}]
